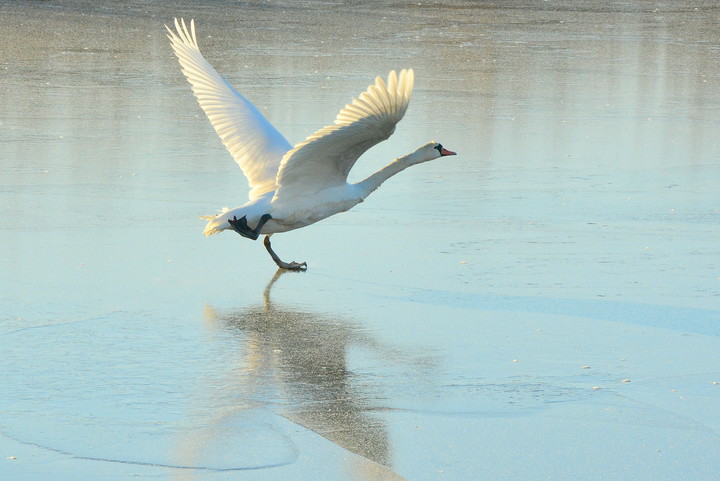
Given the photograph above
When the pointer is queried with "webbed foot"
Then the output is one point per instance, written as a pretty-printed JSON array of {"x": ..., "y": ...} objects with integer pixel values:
[
  {"x": 241, "y": 226},
  {"x": 293, "y": 266}
]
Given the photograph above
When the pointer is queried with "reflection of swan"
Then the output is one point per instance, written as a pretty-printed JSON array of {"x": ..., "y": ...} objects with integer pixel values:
[
  {"x": 296, "y": 187},
  {"x": 306, "y": 353},
  {"x": 302, "y": 356}
]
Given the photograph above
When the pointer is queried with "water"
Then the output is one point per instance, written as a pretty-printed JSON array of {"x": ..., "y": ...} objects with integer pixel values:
[{"x": 558, "y": 279}]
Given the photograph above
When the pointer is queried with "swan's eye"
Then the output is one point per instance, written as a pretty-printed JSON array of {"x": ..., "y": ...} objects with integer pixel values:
[{"x": 439, "y": 148}]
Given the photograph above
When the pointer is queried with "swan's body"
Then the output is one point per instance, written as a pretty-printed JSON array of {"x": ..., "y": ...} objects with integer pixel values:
[{"x": 292, "y": 187}]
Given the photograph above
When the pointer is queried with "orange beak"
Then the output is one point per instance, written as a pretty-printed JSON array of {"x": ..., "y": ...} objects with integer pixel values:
[{"x": 444, "y": 152}]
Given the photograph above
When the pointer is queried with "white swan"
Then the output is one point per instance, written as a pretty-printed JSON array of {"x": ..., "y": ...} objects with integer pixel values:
[{"x": 292, "y": 187}]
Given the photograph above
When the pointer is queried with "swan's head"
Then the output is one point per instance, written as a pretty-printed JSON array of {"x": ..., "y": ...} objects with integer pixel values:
[
  {"x": 432, "y": 150},
  {"x": 443, "y": 151}
]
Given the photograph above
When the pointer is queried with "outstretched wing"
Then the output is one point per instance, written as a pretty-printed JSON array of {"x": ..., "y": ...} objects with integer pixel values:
[
  {"x": 251, "y": 139},
  {"x": 325, "y": 158}
]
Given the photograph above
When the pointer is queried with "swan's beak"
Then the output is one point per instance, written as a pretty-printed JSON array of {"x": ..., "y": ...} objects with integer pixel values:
[{"x": 444, "y": 152}]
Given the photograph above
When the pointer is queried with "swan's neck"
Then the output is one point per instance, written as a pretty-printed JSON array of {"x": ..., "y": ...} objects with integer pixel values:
[{"x": 367, "y": 186}]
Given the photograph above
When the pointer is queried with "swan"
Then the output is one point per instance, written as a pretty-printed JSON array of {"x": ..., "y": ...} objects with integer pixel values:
[{"x": 295, "y": 186}]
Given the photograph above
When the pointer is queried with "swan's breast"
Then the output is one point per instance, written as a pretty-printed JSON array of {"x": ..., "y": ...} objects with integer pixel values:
[{"x": 300, "y": 211}]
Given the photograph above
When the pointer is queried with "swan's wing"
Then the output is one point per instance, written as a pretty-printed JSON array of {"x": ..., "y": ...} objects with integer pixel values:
[
  {"x": 254, "y": 143},
  {"x": 325, "y": 158}
]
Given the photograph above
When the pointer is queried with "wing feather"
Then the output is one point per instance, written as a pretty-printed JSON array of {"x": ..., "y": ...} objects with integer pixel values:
[
  {"x": 325, "y": 158},
  {"x": 250, "y": 138}
]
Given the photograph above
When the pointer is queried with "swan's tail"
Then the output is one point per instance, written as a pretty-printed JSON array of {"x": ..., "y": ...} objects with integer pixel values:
[{"x": 216, "y": 223}]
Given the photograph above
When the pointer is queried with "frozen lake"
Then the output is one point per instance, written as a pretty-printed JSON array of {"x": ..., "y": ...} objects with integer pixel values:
[{"x": 545, "y": 305}]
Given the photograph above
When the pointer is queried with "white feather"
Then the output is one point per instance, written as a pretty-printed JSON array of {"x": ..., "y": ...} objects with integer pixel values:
[
  {"x": 325, "y": 158},
  {"x": 254, "y": 143},
  {"x": 307, "y": 183}
]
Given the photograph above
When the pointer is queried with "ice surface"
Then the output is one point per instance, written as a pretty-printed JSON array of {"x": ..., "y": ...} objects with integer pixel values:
[{"x": 545, "y": 305}]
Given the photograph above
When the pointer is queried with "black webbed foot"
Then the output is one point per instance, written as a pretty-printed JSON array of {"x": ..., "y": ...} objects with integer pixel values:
[{"x": 241, "y": 226}]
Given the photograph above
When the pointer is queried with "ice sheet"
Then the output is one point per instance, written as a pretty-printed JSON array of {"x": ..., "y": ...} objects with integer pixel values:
[{"x": 543, "y": 305}]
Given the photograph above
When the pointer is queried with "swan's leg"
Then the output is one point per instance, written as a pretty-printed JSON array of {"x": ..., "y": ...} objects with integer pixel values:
[
  {"x": 241, "y": 226},
  {"x": 293, "y": 266}
]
